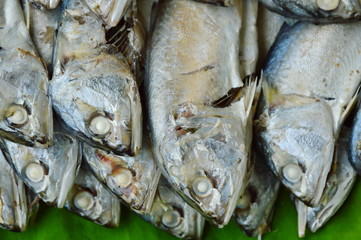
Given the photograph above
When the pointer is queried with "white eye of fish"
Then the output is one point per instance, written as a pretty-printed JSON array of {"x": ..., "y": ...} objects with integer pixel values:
[
  {"x": 100, "y": 125},
  {"x": 244, "y": 201},
  {"x": 123, "y": 178},
  {"x": 202, "y": 187},
  {"x": 328, "y": 5},
  {"x": 292, "y": 173},
  {"x": 17, "y": 115},
  {"x": 171, "y": 218},
  {"x": 83, "y": 201},
  {"x": 34, "y": 172}
]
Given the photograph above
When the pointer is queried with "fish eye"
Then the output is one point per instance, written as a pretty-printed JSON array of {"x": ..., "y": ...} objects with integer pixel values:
[
  {"x": 202, "y": 187},
  {"x": 292, "y": 173},
  {"x": 99, "y": 126},
  {"x": 171, "y": 218},
  {"x": 17, "y": 115},
  {"x": 83, "y": 201},
  {"x": 124, "y": 178},
  {"x": 327, "y": 5},
  {"x": 35, "y": 172}
]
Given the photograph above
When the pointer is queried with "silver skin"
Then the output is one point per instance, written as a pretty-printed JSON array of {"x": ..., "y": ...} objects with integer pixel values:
[
  {"x": 306, "y": 100},
  {"x": 59, "y": 162},
  {"x": 23, "y": 80},
  {"x": 107, "y": 167},
  {"x": 49, "y": 4},
  {"x": 339, "y": 184},
  {"x": 111, "y": 11},
  {"x": 255, "y": 207},
  {"x": 145, "y": 12},
  {"x": 355, "y": 141},
  {"x": 191, "y": 223},
  {"x": 105, "y": 209},
  {"x": 42, "y": 25},
  {"x": 317, "y": 10},
  {"x": 13, "y": 199},
  {"x": 91, "y": 80},
  {"x": 193, "y": 135}
]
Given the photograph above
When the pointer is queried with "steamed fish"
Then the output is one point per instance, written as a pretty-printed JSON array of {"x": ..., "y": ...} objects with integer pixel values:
[
  {"x": 90, "y": 200},
  {"x": 49, "y": 4},
  {"x": 13, "y": 199},
  {"x": 25, "y": 109},
  {"x": 170, "y": 213},
  {"x": 93, "y": 89},
  {"x": 317, "y": 10},
  {"x": 48, "y": 172},
  {"x": 339, "y": 184},
  {"x": 312, "y": 77},
  {"x": 199, "y": 108},
  {"x": 133, "y": 180},
  {"x": 201, "y": 135},
  {"x": 254, "y": 209},
  {"x": 355, "y": 140}
]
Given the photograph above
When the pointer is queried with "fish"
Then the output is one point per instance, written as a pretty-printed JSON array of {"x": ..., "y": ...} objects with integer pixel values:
[
  {"x": 49, "y": 4},
  {"x": 308, "y": 91},
  {"x": 320, "y": 11},
  {"x": 170, "y": 213},
  {"x": 25, "y": 108},
  {"x": 254, "y": 210},
  {"x": 133, "y": 180},
  {"x": 48, "y": 172},
  {"x": 355, "y": 140},
  {"x": 13, "y": 199},
  {"x": 42, "y": 24},
  {"x": 339, "y": 184},
  {"x": 145, "y": 11},
  {"x": 200, "y": 135},
  {"x": 93, "y": 90},
  {"x": 111, "y": 11},
  {"x": 90, "y": 200}
]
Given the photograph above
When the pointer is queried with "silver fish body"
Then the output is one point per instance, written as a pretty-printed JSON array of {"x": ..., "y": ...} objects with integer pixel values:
[
  {"x": 200, "y": 134},
  {"x": 170, "y": 213},
  {"x": 93, "y": 90},
  {"x": 255, "y": 207},
  {"x": 49, "y": 4},
  {"x": 355, "y": 141},
  {"x": 111, "y": 11},
  {"x": 317, "y": 10},
  {"x": 312, "y": 77},
  {"x": 48, "y": 172},
  {"x": 133, "y": 180},
  {"x": 90, "y": 200},
  {"x": 13, "y": 199},
  {"x": 339, "y": 184},
  {"x": 25, "y": 109}
]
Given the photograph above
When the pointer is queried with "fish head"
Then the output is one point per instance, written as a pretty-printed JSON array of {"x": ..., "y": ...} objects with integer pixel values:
[
  {"x": 297, "y": 138},
  {"x": 98, "y": 101},
  {"x": 170, "y": 213}
]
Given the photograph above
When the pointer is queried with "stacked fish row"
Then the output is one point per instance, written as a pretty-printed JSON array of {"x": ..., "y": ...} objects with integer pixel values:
[{"x": 75, "y": 81}]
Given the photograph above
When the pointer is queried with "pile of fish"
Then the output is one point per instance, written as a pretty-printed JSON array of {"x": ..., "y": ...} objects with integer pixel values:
[{"x": 182, "y": 110}]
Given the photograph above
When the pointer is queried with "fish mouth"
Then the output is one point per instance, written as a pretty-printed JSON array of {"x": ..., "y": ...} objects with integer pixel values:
[{"x": 30, "y": 141}]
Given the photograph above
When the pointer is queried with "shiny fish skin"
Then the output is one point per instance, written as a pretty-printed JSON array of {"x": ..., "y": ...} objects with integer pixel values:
[
  {"x": 24, "y": 83},
  {"x": 255, "y": 207},
  {"x": 111, "y": 11},
  {"x": 191, "y": 223},
  {"x": 355, "y": 141},
  {"x": 59, "y": 164},
  {"x": 197, "y": 139},
  {"x": 317, "y": 10},
  {"x": 109, "y": 169},
  {"x": 339, "y": 184},
  {"x": 49, "y": 4},
  {"x": 91, "y": 81},
  {"x": 306, "y": 100},
  {"x": 102, "y": 209},
  {"x": 13, "y": 199}
]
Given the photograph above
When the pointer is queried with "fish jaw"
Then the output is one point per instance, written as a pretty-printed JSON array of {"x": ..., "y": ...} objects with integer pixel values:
[
  {"x": 104, "y": 87},
  {"x": 47, "y": 172},
  {"x": 299, "y": 138},
  {"x": 132, "y": 179}
]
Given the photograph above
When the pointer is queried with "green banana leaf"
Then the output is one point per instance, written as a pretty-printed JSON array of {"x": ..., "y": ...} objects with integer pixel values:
[{"x": 51, "y": 223}]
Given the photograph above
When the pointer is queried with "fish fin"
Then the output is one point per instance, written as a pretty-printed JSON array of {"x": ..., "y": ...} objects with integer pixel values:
[
  {"x": 348, "y": 107},
  {"x": 231, "y": 96},
  {"x": 301, "y": 218},
  {"x": 224, "y": 3}
]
